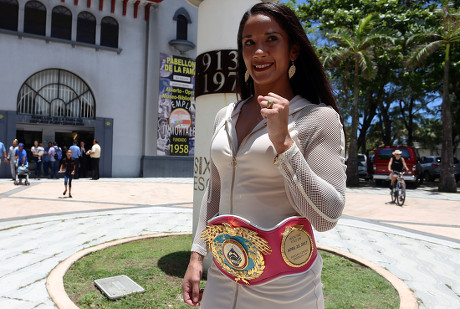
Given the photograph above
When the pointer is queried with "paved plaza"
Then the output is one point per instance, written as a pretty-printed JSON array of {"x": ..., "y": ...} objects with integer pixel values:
[{"x": 39, "y": 227}]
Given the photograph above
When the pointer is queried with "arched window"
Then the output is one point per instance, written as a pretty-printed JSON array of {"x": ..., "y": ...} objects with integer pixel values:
[
  {"x": 61, "y": 23},
  {"x": 35, "y": 18},
  {"x": 86, "y": 28},
  {"x": 181, "y": 31},
  {"x": 109, "y": 32},
  {"x": 9, "y": 14},
  {"x": 182, "y": 19},
  {"x": 56, "y": 92}
]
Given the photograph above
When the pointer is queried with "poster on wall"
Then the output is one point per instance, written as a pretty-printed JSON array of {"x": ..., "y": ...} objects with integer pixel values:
[{"x": 176, "y": 106}]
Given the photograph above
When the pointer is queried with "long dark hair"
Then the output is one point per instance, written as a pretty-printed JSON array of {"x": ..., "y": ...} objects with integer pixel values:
[{"x": 310, "y": 80}]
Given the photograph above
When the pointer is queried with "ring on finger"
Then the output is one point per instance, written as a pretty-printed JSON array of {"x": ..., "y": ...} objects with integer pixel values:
[{"x": 270, "y": 104}]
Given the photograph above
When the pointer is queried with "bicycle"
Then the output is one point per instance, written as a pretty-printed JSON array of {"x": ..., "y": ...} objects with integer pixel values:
[{"x": 398, "y": 192}]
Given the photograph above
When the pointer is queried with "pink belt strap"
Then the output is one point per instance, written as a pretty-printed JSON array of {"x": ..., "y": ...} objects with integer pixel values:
[{"x": 252, "y": 255}]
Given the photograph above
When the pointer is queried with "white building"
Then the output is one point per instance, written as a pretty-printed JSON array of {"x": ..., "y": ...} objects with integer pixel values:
[{"x": 84, "y": 69}]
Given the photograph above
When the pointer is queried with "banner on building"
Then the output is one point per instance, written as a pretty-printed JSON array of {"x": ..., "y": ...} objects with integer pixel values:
[{"x": 176, "y": 106}]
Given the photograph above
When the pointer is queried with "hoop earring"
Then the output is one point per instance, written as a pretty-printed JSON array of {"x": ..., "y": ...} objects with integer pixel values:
[
  {"x": 246, "y": 76},
  {"x": 291, "y": 71}
]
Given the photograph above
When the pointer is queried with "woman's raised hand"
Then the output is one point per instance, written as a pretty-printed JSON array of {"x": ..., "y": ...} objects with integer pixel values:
[{"x": 275, "y": 109}]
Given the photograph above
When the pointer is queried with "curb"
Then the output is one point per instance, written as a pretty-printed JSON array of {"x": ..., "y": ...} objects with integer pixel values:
[
  {"x": 56, "y": 290},
  {"x": 55, "y": 280},
  {"x": 406, "y": 295}
]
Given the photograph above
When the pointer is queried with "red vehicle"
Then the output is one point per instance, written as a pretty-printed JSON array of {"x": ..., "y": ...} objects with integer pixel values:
[{"x": 382, "y": 158}]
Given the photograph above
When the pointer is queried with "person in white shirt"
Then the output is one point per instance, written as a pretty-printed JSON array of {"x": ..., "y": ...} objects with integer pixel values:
[
  {"x": 37, "y": 152},
  {"x": 12, "y": 158},
  {"x": 95, "y": 154}
]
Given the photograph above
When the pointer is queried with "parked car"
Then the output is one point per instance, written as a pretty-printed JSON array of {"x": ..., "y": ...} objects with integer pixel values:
[
  {"x": 362, "y": 166},
  {"x": 382, "y": 158},
  {"x": 431, "y": 168}
]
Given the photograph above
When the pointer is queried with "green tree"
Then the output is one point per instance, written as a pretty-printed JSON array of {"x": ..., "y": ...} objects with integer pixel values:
[
  {"x": 356, "y": 44},
  {"x": 443, "y": 38}
]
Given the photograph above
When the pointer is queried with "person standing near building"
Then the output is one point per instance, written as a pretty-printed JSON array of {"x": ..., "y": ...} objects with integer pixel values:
[
  {"x": 68, "y": 165},
  {"x": 54, "y": 162},
  {"x": 76, "y": 153},
  {"x": 3, "y": 154},
  {"x": 37, "y": 152},
  {"x": 95, "y": 154},
  {"x": 82, "y": 160},
  {"x": 12, "y": 158},
  {"x": 46, "y": 160}
]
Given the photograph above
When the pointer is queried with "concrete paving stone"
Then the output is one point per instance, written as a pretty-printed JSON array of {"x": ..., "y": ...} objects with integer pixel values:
[
  {"x": 401, "y": 251},
  {"x": 9, "y": 303}
]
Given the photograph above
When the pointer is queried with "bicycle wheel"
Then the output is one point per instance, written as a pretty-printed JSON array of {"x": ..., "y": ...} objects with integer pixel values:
[
  {"x": 401, "y": 194},
  {"x": 392, "y": 194}
]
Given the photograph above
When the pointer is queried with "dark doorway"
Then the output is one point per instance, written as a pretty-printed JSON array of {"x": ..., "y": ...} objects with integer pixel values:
[
  {"x": 28, "y": 138},
  {"x": 65, "y": 140}
]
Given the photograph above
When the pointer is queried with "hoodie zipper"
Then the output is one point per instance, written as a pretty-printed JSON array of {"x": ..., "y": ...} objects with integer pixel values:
[{"x": 234, "y": 163}]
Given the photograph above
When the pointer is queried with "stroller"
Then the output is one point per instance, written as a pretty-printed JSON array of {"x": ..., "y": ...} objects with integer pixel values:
[{"x": 22, "y": 172}]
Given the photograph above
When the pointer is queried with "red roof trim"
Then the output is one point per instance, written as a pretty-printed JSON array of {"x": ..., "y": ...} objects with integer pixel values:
[
  {"x": 136, "y": 6},
  {"x": 125, "y": 3},
  {"x": 147, "y": 11}
]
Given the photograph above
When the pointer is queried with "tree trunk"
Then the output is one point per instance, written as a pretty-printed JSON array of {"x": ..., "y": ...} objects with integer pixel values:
[
  {"x": 447, "y": 178},
  {"x": 352, "y": 166}
]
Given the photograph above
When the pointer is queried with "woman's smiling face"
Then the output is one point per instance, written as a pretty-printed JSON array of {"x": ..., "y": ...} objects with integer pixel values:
[{"x": 266, "y": 51}]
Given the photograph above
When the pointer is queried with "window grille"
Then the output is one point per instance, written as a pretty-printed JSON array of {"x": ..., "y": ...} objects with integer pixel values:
[
  {"x": 109, "y": 32},
  {"x": 9, "y": 14},
  {"x": 182, "y": 25},
  {"x": 61, "y": 23},
  {"x": 35, "y": 18},
  {"x": 56, "y": 92},
  {"x": 86, "y": 28}
]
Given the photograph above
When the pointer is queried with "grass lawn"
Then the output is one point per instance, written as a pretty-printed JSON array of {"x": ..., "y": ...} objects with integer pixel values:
[{"x": 158, "y": 265}]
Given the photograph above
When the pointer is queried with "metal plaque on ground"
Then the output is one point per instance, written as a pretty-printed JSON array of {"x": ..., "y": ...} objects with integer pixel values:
[{"x": 118, "y": 286}]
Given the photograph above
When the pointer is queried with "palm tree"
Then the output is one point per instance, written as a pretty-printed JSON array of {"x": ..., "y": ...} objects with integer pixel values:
[
  {"x": 356, "y": 45},
  {"x": 444, "y": 37}
]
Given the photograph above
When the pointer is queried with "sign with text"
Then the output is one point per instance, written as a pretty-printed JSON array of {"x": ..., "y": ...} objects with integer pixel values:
[
  {"x": 216, "y": 72},
  {"x": 176, "y": 106}
]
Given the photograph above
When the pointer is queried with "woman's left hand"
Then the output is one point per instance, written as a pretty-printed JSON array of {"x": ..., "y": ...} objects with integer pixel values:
[{"x": 275, "y": 109}]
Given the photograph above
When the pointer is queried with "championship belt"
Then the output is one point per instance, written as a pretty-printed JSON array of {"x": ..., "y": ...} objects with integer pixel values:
[{"x": 253, "y": 255}]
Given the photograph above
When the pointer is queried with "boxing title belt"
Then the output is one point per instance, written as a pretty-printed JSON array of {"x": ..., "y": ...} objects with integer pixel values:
[{"x": 253, "y": 255}]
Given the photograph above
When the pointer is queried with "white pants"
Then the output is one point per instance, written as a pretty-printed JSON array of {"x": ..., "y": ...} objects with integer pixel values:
[
  {"x": 13, "y": 169},
  {"x": 295, "y": 291}
]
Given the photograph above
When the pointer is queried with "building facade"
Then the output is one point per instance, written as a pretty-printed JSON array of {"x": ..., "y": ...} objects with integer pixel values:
[{"x": 95, "y": 69}]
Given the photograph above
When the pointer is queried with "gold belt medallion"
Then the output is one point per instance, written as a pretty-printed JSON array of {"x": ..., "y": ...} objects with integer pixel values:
[
  {"x": 238, "y": 250},
  {"x": 296, "y": 246}
]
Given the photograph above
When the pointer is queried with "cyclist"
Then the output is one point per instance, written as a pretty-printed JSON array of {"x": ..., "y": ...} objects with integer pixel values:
[{"x": 396, "y": 164}]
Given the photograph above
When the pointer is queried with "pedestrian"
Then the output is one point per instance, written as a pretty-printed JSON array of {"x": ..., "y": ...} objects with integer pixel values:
[
  {"x": 3, "y": 154},
  {"x": 68, "y": 165},
  {"x": 55, "y": 160},
  {"x": 76, "y": 153},
  {"x": 46, "y": 159},
  {"x": 277, "y": 164},
  {"x": 12, "y": 158},
  {"x": 95, "y": 154},
  {"x": 83, "y": 160},
  {"x": 37, "y": 153},
  {"x": 22, "y": 164},
  {"x": 21, "y": 156}
]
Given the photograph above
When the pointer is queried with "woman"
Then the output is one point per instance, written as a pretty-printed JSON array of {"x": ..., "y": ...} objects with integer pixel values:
[
  {"x": 396, "y": 164},
  {"x": 68, "y": 168},
  {"x": 37, "y": 152},
  {"x": 276, "y": 154}
]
